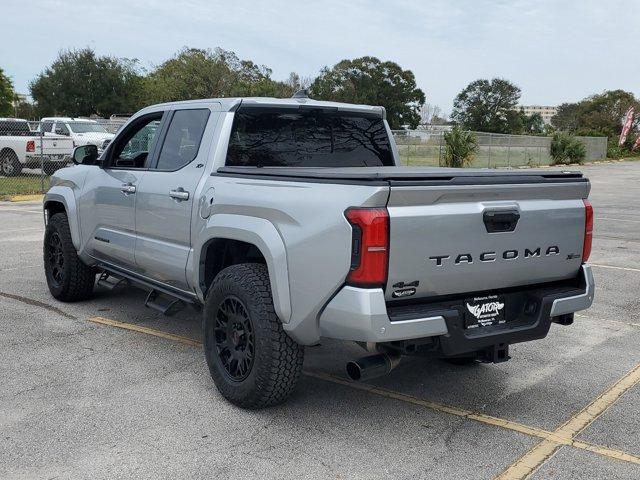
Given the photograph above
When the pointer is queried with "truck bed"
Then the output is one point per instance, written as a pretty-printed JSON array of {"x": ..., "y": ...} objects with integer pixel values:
[{"x": 444, "y": 238}]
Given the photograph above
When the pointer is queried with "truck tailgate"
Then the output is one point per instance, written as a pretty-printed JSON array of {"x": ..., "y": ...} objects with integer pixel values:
[
  {"x": 55, "y": 145},
  {"x": 486, "y": 231}
]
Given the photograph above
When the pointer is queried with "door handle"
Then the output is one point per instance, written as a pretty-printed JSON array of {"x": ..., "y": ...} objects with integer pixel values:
[
  {"x": 128, "y": 189},
  {"x": 179, "y": 194}
]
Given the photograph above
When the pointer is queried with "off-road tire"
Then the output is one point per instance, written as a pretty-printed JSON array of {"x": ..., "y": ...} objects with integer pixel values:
[
  {"x": 72, "y": 280},
  {"x": 10, "y": 166},
  {"x": 277, "y": 358}
]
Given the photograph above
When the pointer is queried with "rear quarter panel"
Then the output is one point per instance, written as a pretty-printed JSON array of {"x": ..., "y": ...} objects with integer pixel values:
[{"x": 309, "y": 217}]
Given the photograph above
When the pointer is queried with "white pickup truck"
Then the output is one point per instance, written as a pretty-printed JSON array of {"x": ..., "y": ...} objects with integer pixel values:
[
  {"x": 20, "y": 148},
  {"x": 82, "y": 131}
]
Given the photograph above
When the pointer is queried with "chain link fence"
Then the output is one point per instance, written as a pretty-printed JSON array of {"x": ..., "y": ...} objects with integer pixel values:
[
  {"x": 425, "y": 148},
  {"x": 31, "y": 151}
]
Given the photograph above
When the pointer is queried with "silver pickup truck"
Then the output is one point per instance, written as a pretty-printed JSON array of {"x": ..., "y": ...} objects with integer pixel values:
[{"x": 289, "y": 221}]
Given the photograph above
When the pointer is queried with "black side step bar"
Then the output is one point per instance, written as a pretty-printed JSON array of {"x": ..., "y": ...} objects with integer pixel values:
[
  {"x": 163, "y": 298},
  {"x": 163, "y": 303},
  {"x": 111, "y": 281}
]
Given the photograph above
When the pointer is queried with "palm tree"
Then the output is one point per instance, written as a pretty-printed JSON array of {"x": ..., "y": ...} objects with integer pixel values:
[{"x": 460, "y": 149}]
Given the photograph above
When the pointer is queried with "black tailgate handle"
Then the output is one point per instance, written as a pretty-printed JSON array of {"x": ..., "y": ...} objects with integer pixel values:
[{"x": 498, "y": 221}]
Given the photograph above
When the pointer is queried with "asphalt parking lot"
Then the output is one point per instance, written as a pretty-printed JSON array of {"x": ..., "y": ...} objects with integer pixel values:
[{"x": 109, "y": 389}]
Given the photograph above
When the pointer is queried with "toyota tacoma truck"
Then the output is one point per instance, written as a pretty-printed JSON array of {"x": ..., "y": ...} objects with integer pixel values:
[
  {"x": 21, "y": 148},
  {"x": 286, "y": 221}
]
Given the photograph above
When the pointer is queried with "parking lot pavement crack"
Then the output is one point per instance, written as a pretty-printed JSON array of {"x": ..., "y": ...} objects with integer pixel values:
[
  {"x": 37, "y": 303},
  {"x": 531, "y": 461},
  {"x": 522, "y": 468},
  {"x": 439, "y": 407},
  {"x": 53, "y": 336}
]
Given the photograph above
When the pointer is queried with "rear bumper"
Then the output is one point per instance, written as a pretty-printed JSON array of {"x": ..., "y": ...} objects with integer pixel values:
[
  {"x": 361, "y": 315},
  {"x": 582, "y": 301}
]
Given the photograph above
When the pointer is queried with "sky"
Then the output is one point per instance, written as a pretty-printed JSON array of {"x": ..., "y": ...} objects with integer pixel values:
[{"x": 555, "y": 51}]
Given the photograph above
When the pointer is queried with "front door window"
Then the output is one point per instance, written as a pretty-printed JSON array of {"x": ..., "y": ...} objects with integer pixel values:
[{"x": 133, "y": 149}]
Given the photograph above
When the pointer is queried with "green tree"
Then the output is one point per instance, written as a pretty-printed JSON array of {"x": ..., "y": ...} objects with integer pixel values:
[
  {"x": 601, "y": 114},
  {"x": 196, "y": 73},
  {"x": 368, "y": 80},
  {"x": 6, "y": 95},
  {"x": 533, "y": 124},
  {"x": 460, "y": 148},
  {"x": 487, "y": 106},
  {"x": 519, "y": 123},
  {"x": 566, "y": 118},
  {"x": 26, "y": 110},
  {"x": 79, "y": 82},
  {"x": 605, "y": 112}
]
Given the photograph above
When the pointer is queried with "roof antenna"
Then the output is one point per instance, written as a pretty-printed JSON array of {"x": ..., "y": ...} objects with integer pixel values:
[{"x": 304, "y": 93}]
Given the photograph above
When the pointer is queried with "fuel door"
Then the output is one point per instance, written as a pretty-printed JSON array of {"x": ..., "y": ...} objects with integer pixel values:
[{"x": 206, "y": 203}]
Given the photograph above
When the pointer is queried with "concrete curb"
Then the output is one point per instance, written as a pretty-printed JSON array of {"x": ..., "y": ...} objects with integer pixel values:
[{"x": 24, "y": 198}]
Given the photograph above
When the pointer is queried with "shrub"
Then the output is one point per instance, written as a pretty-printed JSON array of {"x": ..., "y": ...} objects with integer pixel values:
[
  {"x": 567, "y": 149},
  {"x": 460, "y": 148},
  {"x": 615, "y": 151},
  {"x": 576, "y": 151}
]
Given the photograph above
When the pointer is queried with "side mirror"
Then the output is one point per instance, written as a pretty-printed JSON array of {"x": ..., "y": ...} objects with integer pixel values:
[{"x": 85, "y": 155}]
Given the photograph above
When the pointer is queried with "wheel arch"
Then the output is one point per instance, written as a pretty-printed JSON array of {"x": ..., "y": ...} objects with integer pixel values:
[
  {"x": 230, "y": 239},
  {"x": 7, "y": 150},
  {"x": 61, "y": 200}
]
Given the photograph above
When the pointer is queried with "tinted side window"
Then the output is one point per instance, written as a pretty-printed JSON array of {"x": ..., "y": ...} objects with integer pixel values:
[
  {"x": 132, "y": 147},
  {"x": 183, "y": 138},
  {"x": 47, "y": 126},
  {"x": 14, "y": 128},
  {"x": 61, "y": 129},
  {"x": 298, "y": 138}
]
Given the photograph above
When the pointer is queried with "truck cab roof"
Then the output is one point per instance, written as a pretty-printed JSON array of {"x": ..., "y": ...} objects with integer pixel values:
[
  {"x": 67, "y": 119},
  {"x": 233, "y": 103}
]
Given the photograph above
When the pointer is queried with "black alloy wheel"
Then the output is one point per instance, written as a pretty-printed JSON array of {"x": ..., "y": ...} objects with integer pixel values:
[
  {"x": 234, "y": 338},
  {"x": 55, "y": 257}
]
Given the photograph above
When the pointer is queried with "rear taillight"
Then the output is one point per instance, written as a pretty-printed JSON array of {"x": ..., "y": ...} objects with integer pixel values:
[
  {"x": 31, "y": 146},
  {"x": 588, "y": 230},
  {"x": 369, "y": 246}
]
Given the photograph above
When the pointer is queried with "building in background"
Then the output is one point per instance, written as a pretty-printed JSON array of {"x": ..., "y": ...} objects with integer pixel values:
[{"x": 545, "y": 111}]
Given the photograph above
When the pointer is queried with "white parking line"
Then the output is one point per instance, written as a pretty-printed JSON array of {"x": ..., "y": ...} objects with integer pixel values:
[
  {"x": 617, "y": 220},
  {"x": 12, "y": 269},
  {"x": 629, "y": 269},
  {"x": 21, "y": 229},
  {"x": 588, "y": 317},
  {"x": 21, "y": 210}
]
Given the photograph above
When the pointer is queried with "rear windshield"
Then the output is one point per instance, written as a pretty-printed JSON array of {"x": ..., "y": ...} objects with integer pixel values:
[
  {"x": 307, "y": 138},
  {"x": 14, "y": 128},
  {"x": 86, "y": 127}
]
